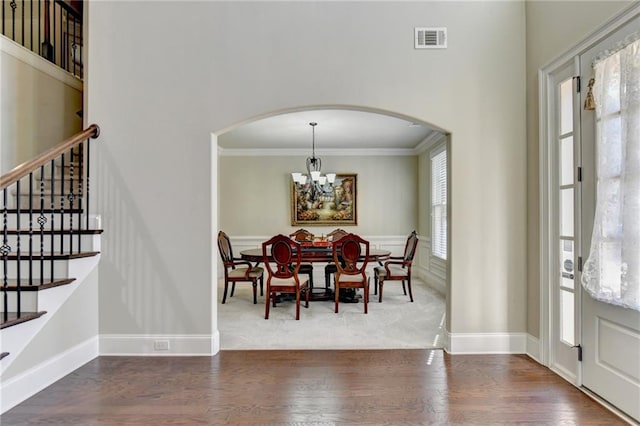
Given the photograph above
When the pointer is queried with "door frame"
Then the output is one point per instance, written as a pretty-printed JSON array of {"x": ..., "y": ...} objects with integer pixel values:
[{"x": 546, "y": 111}]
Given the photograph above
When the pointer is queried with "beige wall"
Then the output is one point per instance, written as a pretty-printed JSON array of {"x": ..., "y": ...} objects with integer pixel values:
[
  {"x": 255, "y": 198},
  {"x": 232, "y": 61},
  {"x": 38, "y": 108},
  {"x": 553, "y": 27}
]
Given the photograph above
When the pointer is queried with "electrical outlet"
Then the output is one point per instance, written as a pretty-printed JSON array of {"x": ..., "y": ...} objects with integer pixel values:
[{"x": 161, "y": 345}]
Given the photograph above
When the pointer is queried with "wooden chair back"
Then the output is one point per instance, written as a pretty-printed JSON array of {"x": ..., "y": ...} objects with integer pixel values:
[
  {"x": 351, "y": 255},
  {"x": 410, "y": 247},
  {"x": 336, "y": 234},
  {"x": 281, "y": 256},
  {"x": 302, "y": 235},
  {"x": 225, "y": 249}
]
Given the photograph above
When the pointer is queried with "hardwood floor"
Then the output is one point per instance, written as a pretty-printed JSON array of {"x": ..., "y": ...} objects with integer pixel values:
[{"x": 376, "y": 387}]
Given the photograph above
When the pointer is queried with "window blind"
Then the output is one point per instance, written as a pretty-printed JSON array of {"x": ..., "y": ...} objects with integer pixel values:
[{"x": 439, "y": 204}]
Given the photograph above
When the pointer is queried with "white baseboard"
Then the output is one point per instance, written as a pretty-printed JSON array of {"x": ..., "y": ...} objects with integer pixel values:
[
  {"x": 32, "y": 381},
  {"x": 154, "y": 345},
  {"x": 533, "y": 348},
  {"x": 486, "y": 343}
]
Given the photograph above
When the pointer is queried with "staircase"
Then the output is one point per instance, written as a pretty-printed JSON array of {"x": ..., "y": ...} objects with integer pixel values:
[{"x": 48, "y": 243}]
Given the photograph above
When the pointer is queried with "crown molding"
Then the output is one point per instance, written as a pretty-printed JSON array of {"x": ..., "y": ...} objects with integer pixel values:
[{"x": 381, "y": 152}]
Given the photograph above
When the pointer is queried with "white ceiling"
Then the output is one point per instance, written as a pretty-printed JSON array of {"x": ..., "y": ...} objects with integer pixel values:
[{"x": 337, "y": 129}]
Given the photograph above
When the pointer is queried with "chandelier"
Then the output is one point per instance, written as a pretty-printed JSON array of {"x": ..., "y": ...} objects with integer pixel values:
[{"x": 313, "y": 183}]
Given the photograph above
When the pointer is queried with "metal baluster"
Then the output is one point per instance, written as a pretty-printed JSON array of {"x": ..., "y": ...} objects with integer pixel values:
[
  {"x": 40, "y": 27},
  {"x": 42, "y": 220},
  {"x": 73, "y": 47},
  {"x": 23, "y": 8},
  {"x": 70, "y": 197},
  {"x": 79, "y": 203},
  {"x": 19, "y": 261},
  {"x": 13, "y": 19},
  {"x": 87, "y": 160},
  {"x": 53, "y": 210},
  {"x": 5, "y": 250},
  {"x": 62, "y": 205},
  {"x": 65, "y": 43},
  {"x": 31, "y": 25},
  {"x": 30, "y": 228}
]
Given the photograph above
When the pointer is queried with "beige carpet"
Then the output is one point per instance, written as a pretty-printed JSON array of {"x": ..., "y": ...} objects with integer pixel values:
[{"x": 396, "y": 323}]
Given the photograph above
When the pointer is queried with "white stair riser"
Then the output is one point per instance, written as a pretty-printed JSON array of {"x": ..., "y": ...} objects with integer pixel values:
[
  {"x": 60, "y": 269},
  {"x": 28, "y": 301}
]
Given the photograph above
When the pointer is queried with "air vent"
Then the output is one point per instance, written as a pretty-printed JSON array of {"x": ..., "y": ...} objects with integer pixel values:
[{"x": 430, "y": 38}]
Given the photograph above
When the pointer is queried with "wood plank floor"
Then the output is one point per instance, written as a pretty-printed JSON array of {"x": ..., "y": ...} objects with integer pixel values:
[{"x": 377, "y": 387}]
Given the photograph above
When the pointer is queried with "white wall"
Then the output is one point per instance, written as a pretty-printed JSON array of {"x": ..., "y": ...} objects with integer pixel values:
[
  {"x": 255, "y": 194},
  {"x": 158, "y": 94},
  {"x": 38, "y": 105},
  {"x": 553, "y": 27}
]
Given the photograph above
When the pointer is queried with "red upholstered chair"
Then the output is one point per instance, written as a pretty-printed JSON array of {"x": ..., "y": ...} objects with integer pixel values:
[
  {"x": 237, "y": 270},
  {"x": 351, "y": 255},
  {"x": 330, "y": 269},
  {"x": 397, "y": 268},
  {"x": 302, "y": 235},
  {"x": 281, "y": 256}
]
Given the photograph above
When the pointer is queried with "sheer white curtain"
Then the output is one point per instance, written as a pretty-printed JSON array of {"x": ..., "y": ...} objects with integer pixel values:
[{"x": 612, "y": 271}]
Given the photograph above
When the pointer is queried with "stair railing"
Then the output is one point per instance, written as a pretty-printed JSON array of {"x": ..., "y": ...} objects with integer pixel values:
[
  {"x": 53, "y": 187},
  {"x": 49, "y": 28}
]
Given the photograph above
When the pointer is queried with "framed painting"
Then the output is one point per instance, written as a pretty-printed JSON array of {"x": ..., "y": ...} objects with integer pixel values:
[{"x": 335, "y": 204}]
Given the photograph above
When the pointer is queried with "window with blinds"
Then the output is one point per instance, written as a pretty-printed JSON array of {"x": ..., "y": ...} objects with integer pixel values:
[{"x": 439, "y": 203}]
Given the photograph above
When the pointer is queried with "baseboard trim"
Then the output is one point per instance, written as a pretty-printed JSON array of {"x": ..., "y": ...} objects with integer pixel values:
[
  {"x": 533, "y": 348},
  {"x": 486, "y": 343},
  {"x": 23, "y": 386},
  {"x": 147, "y": 345}
]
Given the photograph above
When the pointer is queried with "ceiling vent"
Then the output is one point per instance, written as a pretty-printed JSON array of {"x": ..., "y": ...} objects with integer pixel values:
[{"x": 430, "y": 38}]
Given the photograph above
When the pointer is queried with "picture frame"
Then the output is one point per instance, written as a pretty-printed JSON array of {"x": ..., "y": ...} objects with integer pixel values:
[{"x": 335, "y": 204}]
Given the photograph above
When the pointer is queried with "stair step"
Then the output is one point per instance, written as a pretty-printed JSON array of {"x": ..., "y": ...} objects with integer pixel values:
[
  {"x": 37, "y": 284},
  {"x": 4, "y": 354},
  {"x": 55, "y": 232},
  {"x": 12, "y": 318},
  {"x": 25, "y": 210},
  {"x": 54, "y": 256}
]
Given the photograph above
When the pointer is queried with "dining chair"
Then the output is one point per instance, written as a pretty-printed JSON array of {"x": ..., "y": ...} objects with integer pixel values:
[
  {"x": 237, "y": 270},
  {"x": 351, "y": 255},
  {"x": 397, "y": 268},
  {"x": 330, "y": 269},
  {"x": 306, "y": 268},
  {"x": 281, "y": 256}
]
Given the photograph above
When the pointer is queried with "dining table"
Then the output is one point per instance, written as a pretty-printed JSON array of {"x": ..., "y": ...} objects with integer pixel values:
[{"x": 317, "y": 253}]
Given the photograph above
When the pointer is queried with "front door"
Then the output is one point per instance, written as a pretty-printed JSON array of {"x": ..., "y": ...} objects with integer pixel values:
[{"x": 610, "y": 333}]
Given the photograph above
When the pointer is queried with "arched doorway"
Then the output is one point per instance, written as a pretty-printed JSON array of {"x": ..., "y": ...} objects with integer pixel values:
[{"x": 258, "y": 173}]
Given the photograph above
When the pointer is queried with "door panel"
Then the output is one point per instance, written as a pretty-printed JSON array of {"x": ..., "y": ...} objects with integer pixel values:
[{"x": 610, "y": 334}]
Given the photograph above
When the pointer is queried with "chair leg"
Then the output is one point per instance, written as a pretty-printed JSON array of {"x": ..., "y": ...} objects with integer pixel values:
[
  {"x": 311, "y": 279},
  {"x": 306, "y": 297},
  {"x": 298, "y": 304},
  {"x": 233, "y": 288},
  {"x": 337, "y": 296},
  {"x": 380, "y": 295},
  {"x": 254, "y": 284},
  {"x": 327, "y": 280},
  {"x": 375, "y": 284},
  {"x": 224, "y": 295},
  {"x": 266, "y": 305},
  {"x": 261, "y": 286},
  {"x": 366, "y": 298},
  {"x": 404, "y": 289},
  {"x": 410, "y": 293}
]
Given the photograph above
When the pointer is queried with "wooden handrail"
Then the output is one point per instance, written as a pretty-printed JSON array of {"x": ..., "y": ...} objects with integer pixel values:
[{"x": 93, "y": 131}]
